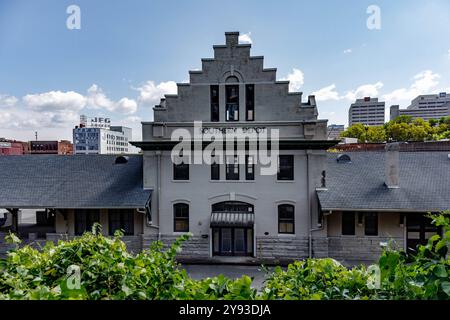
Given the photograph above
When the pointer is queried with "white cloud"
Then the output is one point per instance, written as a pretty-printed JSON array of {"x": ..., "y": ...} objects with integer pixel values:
[
  {"x": 7, "y": 101},
  {"x": 97, "y": 99},
  {"x": 424, "y": 82},
  {"x": 151, "y": 93},
  {"x": 327, "y": 93},
  {"x": 296, "y": 79},
  {"x": 126, "y": 106},
  {"x": 366, "y": 90},
  {"x": 55, "y": 101},
  {"x": 245, "y": 38},
  {"x": 133, "y": 119},
  {"x": 347, "y": 51}
]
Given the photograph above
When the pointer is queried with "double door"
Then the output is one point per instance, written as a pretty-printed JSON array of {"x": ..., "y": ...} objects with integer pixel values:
[{"x": 233, "y": 241}]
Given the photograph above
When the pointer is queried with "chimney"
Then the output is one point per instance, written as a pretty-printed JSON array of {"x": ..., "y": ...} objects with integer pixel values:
[
  {"x": 392, "y": 165},
  {"x": 231, "y": 39}
]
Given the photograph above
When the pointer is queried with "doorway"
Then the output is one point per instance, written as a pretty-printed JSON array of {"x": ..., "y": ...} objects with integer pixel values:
[{"x": 418, "y": 230}]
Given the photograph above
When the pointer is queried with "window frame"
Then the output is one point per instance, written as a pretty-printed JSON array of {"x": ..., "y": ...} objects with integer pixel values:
[
  {"x": 286, "y": 220},
  {"x": 89, "y": 218},
  {"x": 215, "y": 104},
  {"x": 215, "y": 171},
  {"x": 126, "y": 216},
  {"x": 249, "y": 102},
  {"x": 228, "y": 104},
  {"x": 375, "y": 227},
  {"x": 291, "y": 175},
  {"x": 249, "y": 176},
  {"x": 177, "y": 176},
  {"x": 184, "y": 219},
  {"x": 235, "y": 164},
  {"x": 343, "y": 226}
]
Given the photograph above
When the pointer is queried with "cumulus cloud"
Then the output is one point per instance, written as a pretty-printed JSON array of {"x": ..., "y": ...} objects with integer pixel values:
[
  {"x": 97, "y": 99},
  {"x": 327, "y": 93},
  {"x": 366, "y": 90},
  {"x": 296, "y": 79},
  {"x": 423, "y": 83},
  {"x": 55, "y": 101},
  {"x": 245, "y": 38},
  {"x": 347, "y": 51},
  {"x": 151, "y": 93},
  {"x": 7, "y": 101}
]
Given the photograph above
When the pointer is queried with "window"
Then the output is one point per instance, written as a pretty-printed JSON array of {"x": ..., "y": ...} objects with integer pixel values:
[
  {"x": 232, "y": 206},
  {"x": 215, "y": 171},
  {"x": 232, "y": 103},
  {"x": 249, "y": 168},
  {"x": 285, "y": 167},
  {"x": 181, "y": 171},
  {"x": 214, "y": 103},
  {"x": 180, "y": 217},
  {"x": 85, "y": 219},
  {"x": 232, "y": 168},
  {"x": 121, "y": 220},
  {"x": 286, "y": 214},
  {"x": 250, "y": 102},
  {"x": 348, "y": 223},
  {"x": 371, "y": 224}
]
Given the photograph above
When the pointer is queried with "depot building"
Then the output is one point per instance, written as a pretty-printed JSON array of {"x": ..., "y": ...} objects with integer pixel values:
[{"x": 315, "y": 204}]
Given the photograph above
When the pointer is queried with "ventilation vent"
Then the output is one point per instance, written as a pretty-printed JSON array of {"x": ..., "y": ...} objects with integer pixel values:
[
  {"x": 343, "y": 158},
  {"x": 121, "y": 160}
]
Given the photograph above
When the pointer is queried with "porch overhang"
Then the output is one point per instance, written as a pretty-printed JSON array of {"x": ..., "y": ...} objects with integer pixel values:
[{"x": 232, "y": 219}]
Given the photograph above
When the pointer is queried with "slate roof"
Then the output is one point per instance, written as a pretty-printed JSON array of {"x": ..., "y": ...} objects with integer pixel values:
[
  {"x": 424, "y": 183},
  {"x": 78, "y": 181}
]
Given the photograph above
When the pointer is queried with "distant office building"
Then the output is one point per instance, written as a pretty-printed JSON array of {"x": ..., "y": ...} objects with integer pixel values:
[
  {"x": 11, "y": 147},
  {"x": 368, "y": 111},
  {"x": 63, "y": 147},
  {"x": 97, "y": 136},
  {"x": 334, "y": 131},
  {"x": 429, "y": 106}
]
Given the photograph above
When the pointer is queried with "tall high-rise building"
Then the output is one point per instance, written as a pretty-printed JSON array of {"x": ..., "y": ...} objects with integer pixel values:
[
  {"x": 368, "y": 111},
  {"x": 334, "y": 131},
  {"x": 427, "y": 106}
]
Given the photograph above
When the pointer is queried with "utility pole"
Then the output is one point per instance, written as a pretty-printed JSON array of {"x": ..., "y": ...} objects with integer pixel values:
[{"x": 35, "y": 134}]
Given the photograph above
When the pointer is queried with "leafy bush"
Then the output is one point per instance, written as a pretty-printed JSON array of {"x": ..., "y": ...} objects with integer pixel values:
[{"x": 108, "y": 271}]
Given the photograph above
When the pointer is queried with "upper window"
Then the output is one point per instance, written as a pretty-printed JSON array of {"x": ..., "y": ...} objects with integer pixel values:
[
  {"x": 250, "y": 102},
  {"x": 285, "y": 167},
  {"x": 215, "y": 171},
  {"x": 232, "y": 168},
  {"x": 85, "y": 219},
  {"x": 249, "y": 168},
  {"x": 371, "y": 224},
  {"x": 286, "y": 217},
  {"x": 232, "y": 103},
  {"x": 121, "y": 220},
  {"x": 348, "y": 223},
  {"x": 181, "y": 217},
  {"x": 181, "y": 171},
  {"x": 214, "y": 103}
]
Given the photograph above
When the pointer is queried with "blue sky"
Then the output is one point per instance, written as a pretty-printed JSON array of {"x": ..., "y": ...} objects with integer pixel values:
[{"x": 128, "y": 53}]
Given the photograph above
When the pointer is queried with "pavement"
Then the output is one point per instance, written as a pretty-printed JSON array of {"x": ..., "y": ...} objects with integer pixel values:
[{"x": 197, "y": 271}]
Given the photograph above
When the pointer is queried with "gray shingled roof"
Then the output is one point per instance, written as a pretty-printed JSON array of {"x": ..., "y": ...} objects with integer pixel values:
[
  {"x": 424, "y": 183},
  {"x": 79, "y": 181}
]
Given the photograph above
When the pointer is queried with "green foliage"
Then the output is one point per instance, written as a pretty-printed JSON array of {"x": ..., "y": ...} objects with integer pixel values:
[
  {"x": 402, "y": 128},
  {"x": 96, "y": 267}
]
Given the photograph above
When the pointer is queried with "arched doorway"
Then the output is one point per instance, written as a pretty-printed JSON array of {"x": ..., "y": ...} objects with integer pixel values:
[{"x": 232, "y": 228}]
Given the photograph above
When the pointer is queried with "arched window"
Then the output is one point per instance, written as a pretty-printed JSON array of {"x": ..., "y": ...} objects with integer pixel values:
[
  {"x": 232, "y": 206},
  {"x": 286, "y": 214},
  {"x": 181, "y": 217}
]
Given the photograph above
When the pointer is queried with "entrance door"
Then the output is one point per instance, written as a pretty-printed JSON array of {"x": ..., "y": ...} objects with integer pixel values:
[
  {"x": 419, "y": 230},
  {"x": 233, "y": 241}
]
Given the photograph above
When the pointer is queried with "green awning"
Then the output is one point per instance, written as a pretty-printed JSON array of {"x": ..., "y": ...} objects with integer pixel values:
[{"x": 232, "y": 219}]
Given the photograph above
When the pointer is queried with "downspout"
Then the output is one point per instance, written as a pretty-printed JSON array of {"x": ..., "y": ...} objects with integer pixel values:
[{"x": 158, "y": 187}]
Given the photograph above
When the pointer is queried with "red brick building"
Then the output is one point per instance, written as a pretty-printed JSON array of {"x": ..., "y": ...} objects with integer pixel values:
[{"x": 11, "y": 147}]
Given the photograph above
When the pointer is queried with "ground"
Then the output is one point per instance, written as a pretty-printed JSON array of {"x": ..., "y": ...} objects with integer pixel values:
[{"x": 230, "y": 271}]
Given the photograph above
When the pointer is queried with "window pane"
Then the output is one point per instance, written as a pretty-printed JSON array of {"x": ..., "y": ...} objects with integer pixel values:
[
  {"x": 286, "y": 216},
  {"x": 371, "y": 224},
  {"x": 348, "y": 223},
  {"x": 215, "y": 171},
  {"x": 232, "y": 103},
  {"x": 181, "y": 171},
  {"x": 250, "y": 102},
  {"x": 214, "y": 103},
  {"x": 285, "y": 167},
  {"x": 249, "y": 168},
  {"x": 181, "y": 217}
]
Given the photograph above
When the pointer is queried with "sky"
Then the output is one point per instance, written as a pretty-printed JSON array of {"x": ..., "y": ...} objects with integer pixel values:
[{"x": 126, "y": 55}]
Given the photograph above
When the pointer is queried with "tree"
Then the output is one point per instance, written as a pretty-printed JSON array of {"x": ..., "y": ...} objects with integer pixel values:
[
  {"x": 357, "y": 131},
  {"x": 398, "y": 131},
  {"x": 376, "y": 134}
]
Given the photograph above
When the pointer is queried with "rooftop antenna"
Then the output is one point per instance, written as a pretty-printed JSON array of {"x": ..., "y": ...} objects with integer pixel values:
[{"x": 36, "y": 135}]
